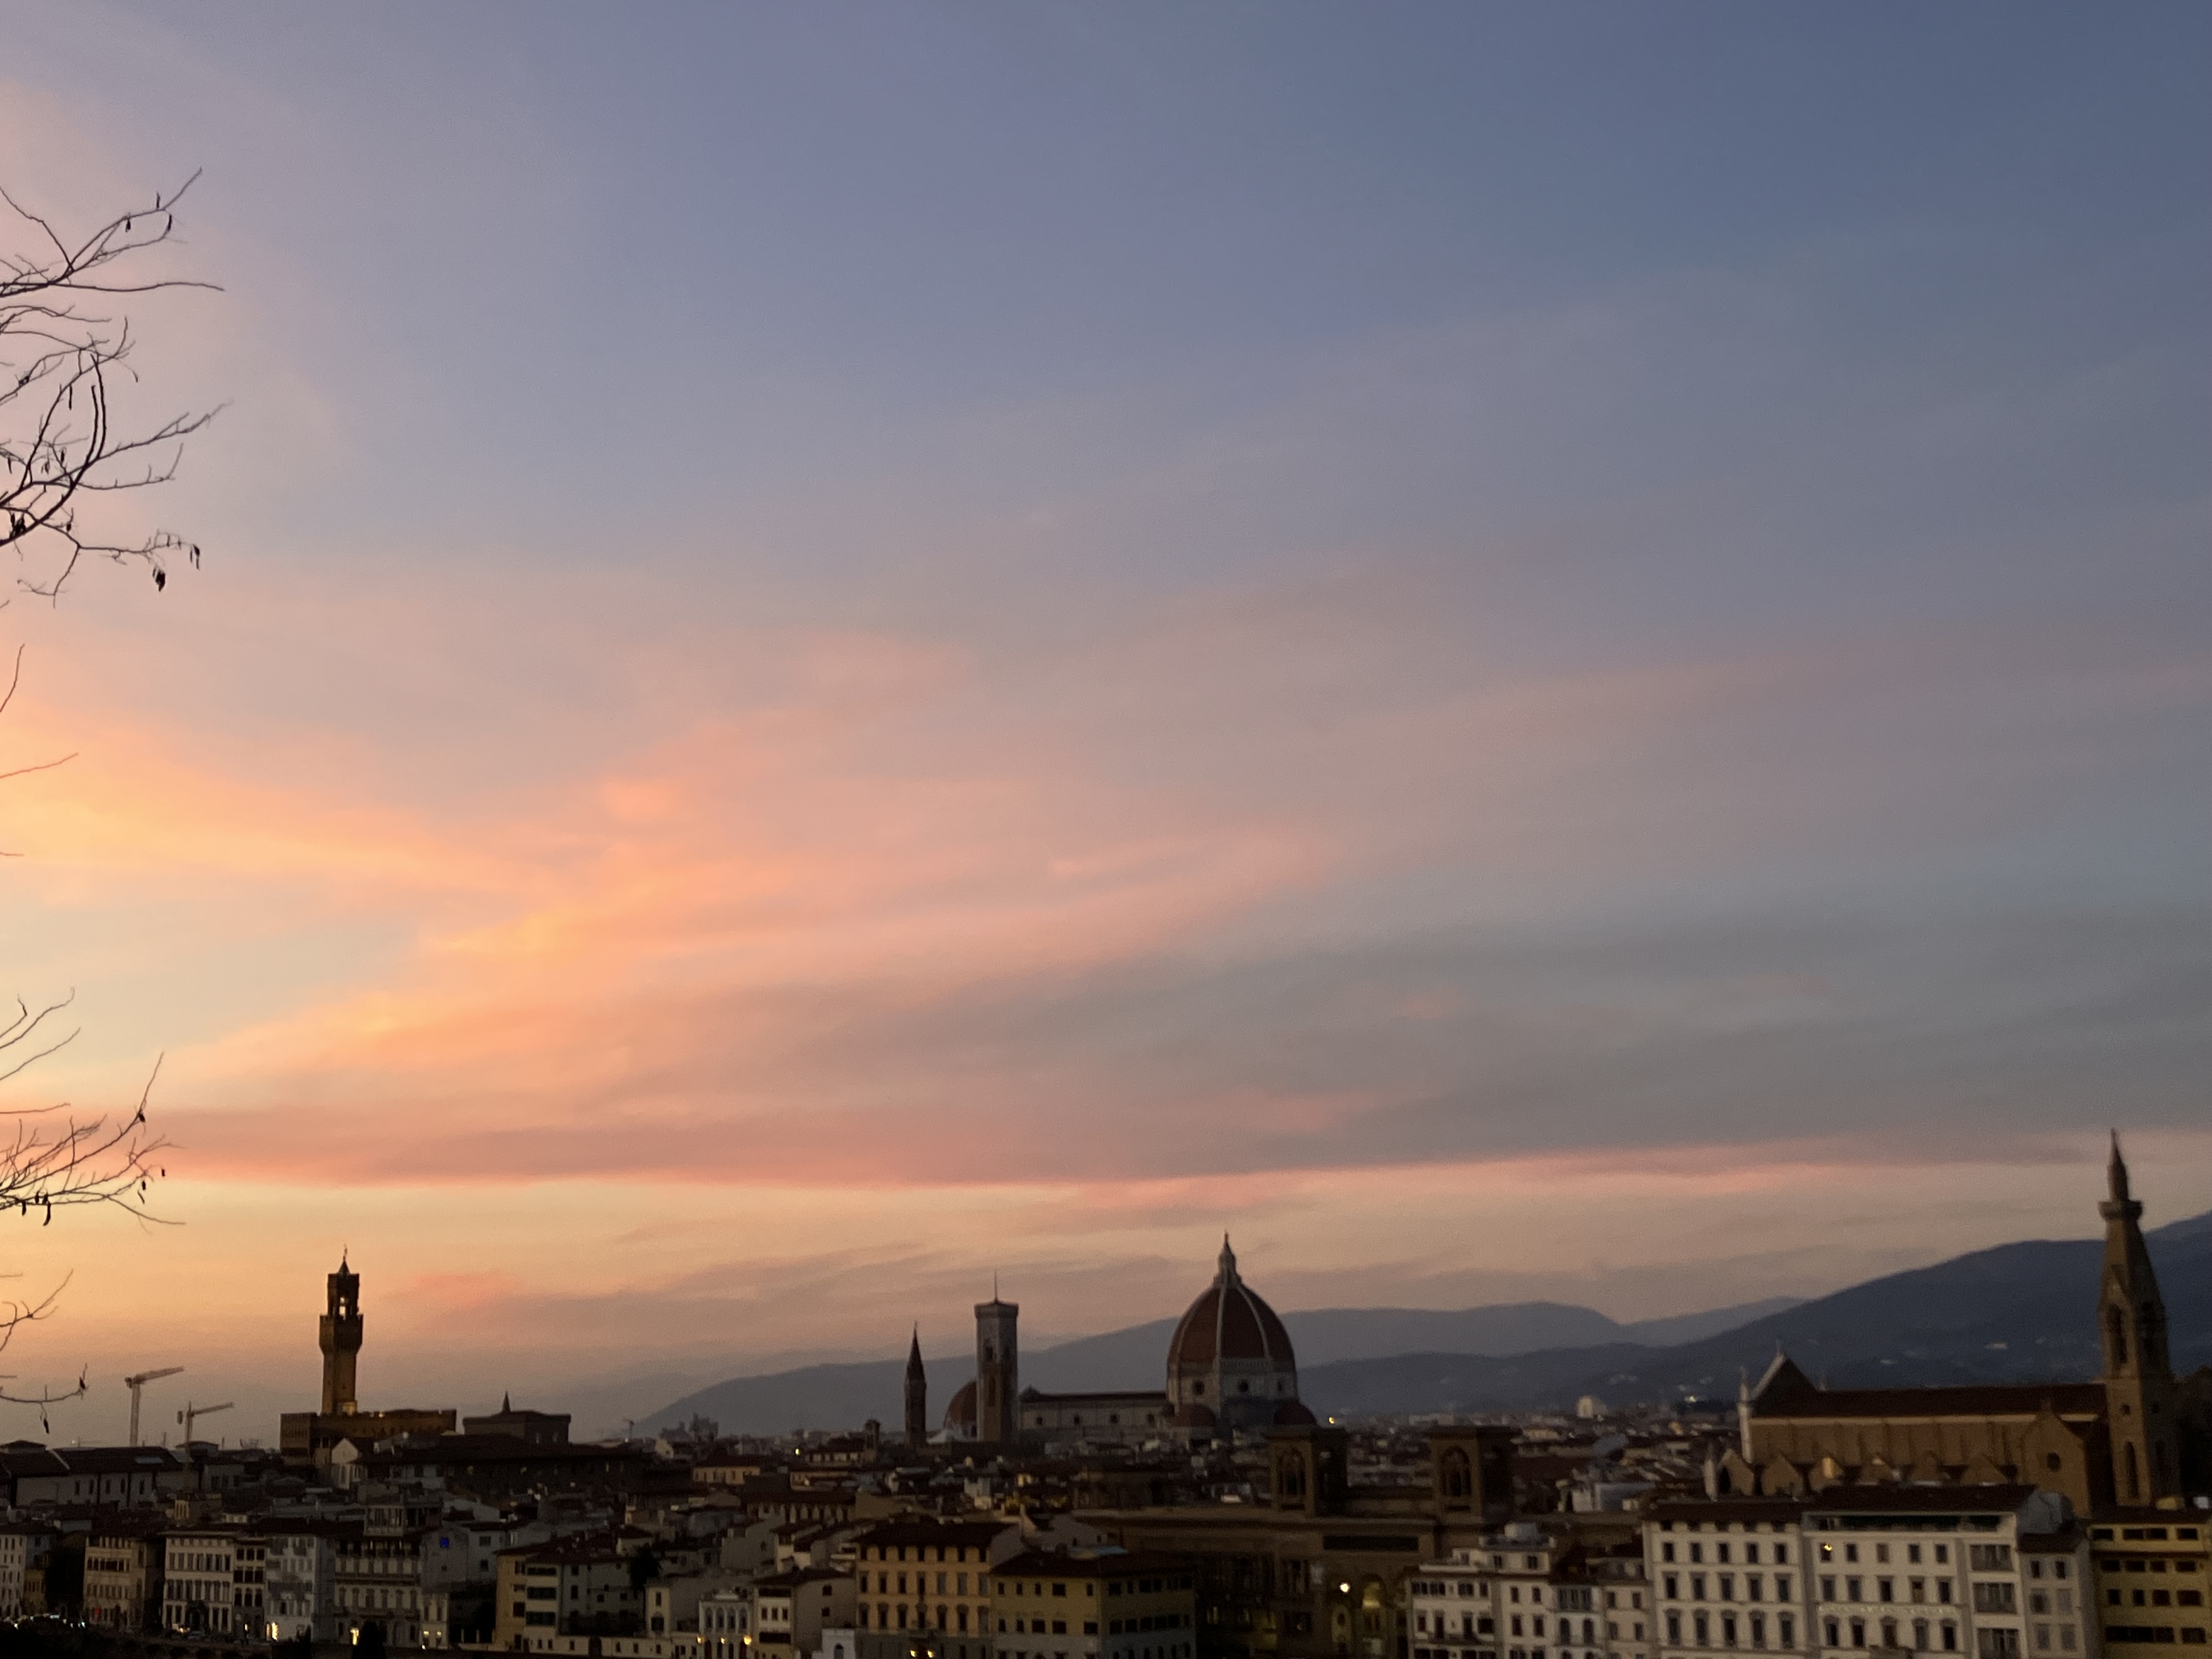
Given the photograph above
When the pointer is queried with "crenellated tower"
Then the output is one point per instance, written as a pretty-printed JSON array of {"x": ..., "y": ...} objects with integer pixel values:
[
  {"x": 341, "y": 1341},
  {"x": 2139, "y": 1387}
]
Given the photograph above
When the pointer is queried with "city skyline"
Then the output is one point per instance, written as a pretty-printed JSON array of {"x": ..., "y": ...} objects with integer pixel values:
[{"x": 1515, "y": 653}]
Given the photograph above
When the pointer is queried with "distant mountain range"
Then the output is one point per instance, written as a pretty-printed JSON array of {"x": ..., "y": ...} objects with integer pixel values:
[
  {"x": 2018, "y": 1313},
  {"x": 846, "y": 1395}
]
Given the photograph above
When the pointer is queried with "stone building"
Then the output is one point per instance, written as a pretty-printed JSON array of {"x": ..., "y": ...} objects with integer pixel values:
[
  {"x": 2153, "y": 1571},
  {"x": 1087, "y": 1605},
  {"x": 1558, "y": 1588},
  {"x": 1324, "y": 1567},
  {"x": 308, "y": 1439},
  {"x": 2115, "y": 1439},
  {"x": 917, "y": 1576}
]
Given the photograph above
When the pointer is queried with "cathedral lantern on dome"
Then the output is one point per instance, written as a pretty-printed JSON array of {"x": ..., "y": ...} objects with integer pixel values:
[{"x": 1231, "y": 1365}]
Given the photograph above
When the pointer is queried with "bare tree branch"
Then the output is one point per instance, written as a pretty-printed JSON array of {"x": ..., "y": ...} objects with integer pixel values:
[{"x": 61, "y": 359}]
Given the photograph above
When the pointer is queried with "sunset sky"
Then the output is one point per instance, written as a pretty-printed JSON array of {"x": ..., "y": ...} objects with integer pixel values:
[{"x": 1513, "y": 651}]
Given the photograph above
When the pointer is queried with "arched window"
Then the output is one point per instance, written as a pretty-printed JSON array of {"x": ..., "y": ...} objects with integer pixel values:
[
  {"x": 1458, "y": 1475},
  {"x": 2131, "y": 1480},
  {"x": 2116, "y": 1338}
]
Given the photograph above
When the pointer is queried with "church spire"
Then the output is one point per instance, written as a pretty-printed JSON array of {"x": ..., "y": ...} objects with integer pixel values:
[
  {"x": 1226, "y": 1264},
  {"x": 2139, "y": 1387},
  {"x": 917, "y": 1395}
]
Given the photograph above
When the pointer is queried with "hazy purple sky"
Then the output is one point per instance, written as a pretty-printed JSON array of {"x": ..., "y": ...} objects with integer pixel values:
[{"x": 1520, "y": 650}]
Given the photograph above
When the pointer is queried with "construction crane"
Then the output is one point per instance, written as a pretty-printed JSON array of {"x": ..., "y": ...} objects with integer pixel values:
[
  {"x": 187, "y": 1416},
  {"x": 135, "y": 1383}
]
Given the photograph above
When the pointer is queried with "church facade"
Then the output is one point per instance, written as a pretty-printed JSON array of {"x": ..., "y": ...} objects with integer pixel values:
[{"x": 2116, "y": 1440}]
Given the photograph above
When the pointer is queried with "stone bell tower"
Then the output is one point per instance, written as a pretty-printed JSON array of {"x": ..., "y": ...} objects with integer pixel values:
[
  {"x": 341, "y": 1341},
  {"x": 998, "y": 1371},
  {"x": 2139, "y": 1388},
  {"x": 917, "y": 1396}
]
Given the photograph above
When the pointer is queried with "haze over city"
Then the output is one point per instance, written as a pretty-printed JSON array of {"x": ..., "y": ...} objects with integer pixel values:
[{"x": 1513, "y": 653}]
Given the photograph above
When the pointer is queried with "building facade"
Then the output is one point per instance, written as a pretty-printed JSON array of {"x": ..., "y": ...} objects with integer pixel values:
[
  {"x": 300, "y": 1581},
  {"x": 2152, "y": 1569},
  {"x": 1087, "y": 1605},
  {"x": 123, "y": 1575},
  {"x": 2114, "y": 1440},
  {"x": 1532, "y": 1590},
  {"x": 214, "y": 1582},
  {"x": 930, "y": 1575}
]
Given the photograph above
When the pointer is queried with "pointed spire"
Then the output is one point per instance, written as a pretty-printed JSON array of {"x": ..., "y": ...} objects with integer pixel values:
[
  {"x": 2116, "y": 1172},
  {"x": 1227, "y": 1263},
  {"x": 505, "y": 1403},
  {"x": 914, "y": 1353}
]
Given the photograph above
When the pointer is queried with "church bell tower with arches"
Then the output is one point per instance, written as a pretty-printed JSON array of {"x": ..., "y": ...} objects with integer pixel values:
[{"x": 2139, "y": 1388}]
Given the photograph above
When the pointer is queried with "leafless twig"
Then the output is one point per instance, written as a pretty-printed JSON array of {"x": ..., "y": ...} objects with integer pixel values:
[{"x": 61, "y": 356}]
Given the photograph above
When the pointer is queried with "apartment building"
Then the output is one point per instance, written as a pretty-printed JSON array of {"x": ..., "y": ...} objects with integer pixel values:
[
  {"x": 1946, "y": 1569},
  {"x": 123, "y": 1564},
  {"x": 300, "y": 1579},
  {"x": 214, "y": 1582},
  {"x": 377, "y": 1580},
  {"x": 1533, "y": 1591},
  {"x": 930, "y": 1575},
  {"x": 1727, "y": 1576},
  {"x": 23, "y": 1547},
  {"x": 1113, "y": 1604},
  {"x": 2152, "y": 1569}
]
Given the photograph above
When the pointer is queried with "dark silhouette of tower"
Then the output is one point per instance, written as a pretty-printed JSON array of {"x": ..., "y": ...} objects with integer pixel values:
[
  {"x": 341, "y": 1340},
  {"x": 998, "y": 1371},
  {"x": 917, "y": 1395},
  {"x": 2139, "y": 1390}
]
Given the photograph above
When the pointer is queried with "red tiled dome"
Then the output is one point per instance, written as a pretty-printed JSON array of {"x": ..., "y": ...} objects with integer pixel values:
[
  {"x": 1193, "y": 1416},
  {"x": 1229, "y": 1321},
  {"x": 1293, "y": 1413},
  {"x": 960, "y": 1410}
]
